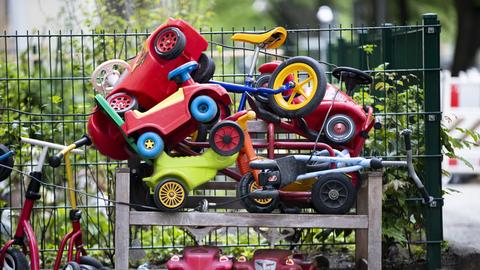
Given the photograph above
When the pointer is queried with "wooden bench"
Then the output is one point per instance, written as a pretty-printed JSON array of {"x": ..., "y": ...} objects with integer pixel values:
[{"x": 367, "y": 221}]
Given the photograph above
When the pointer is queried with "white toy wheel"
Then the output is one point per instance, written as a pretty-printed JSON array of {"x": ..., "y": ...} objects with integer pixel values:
[{"x": 107, "y": 74}]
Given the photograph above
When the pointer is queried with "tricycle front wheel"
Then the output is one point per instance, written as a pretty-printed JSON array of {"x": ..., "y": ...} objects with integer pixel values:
[
  {"x": 309, "y": 82},
  {"x": 170, "y": 195},
  {"x": 246, "y": 186}
]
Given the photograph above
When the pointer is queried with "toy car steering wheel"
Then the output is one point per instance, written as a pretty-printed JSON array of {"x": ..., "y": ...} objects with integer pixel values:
[
  {"x": 182, "y": 73},
  {"x": 107, "y": 74},
  {"x": 352, "y": 77}
]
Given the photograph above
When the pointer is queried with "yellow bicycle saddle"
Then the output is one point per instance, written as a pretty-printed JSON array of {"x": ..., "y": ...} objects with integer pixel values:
[{"x": 269, "y": 40}]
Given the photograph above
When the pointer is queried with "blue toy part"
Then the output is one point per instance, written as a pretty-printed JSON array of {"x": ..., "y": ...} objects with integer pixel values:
[
  {"x": 150, "y": 145},
  {"x": 203, "y": 109},
  {"x": 6, "y": 155},
  {"x": 183, "y": 72}
]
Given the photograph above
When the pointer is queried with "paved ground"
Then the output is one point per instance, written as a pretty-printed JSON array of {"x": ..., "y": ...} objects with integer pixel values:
[{"x": 461, "y": 216}]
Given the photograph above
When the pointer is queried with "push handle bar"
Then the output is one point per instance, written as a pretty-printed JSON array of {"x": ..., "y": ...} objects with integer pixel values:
[
  {"x": 427, "y": 199},
  {"x": 57, "y": 159}
]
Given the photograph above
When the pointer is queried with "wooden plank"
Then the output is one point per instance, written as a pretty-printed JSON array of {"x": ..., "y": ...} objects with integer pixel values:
[
  {"x": 361, "y": 235},
  {"x": 375, "y": 221},
  {"x": 122, "y": 193},
  {"x": 244, "y": 219},
  {"x": 224, "y": 202}
]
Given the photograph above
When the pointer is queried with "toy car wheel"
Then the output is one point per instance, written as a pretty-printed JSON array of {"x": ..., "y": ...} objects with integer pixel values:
[
  {"x": 246, "y": 186},
  {"x": 205, "y": 70},
  {"x": 122, "y": 102},
  {"x": 262, "y": 81},
  {"x": 15, "y": 260},
  {"x": 309, "y": 87},
  {"x": 170, "y": 43},
  {"x": 203, "y": 109},
  {"x": 226, "y": 138},
  {"x": 8, "y": 162},
  {"x": 333, "y": 194},
  {"x": 150, "y": 145},
  {"x": 71, "y": 266},
  {"x": 88, "y": 260},
  {"x": 339, "y": 128},
  {"x": 170, "y": 195}
]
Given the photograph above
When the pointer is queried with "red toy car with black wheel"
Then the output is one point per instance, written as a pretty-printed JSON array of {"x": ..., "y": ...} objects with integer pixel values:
[
  {"x": 169, "y": 46},
  {"x": 273, "y": 259},
  {"x": 200, "y": 258},
  {"x": 165, "y": 124}
]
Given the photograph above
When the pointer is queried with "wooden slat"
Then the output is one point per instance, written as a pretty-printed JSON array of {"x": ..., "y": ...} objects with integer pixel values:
[
  {"x": 122, "y": 213},
  {"x": 375, "y": 221},
  {"x": 243, "y": 219},
  {"x": 224, "y": 202}
]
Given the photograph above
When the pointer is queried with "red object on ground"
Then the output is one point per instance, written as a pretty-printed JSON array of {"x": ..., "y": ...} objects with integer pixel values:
[
  {"x": 279, "y": 259},
  {"x": 200, "y": 258}
]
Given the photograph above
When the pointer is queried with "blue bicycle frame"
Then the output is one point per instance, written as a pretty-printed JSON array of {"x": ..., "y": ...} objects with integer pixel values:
[{"x": 248, "y": 87}]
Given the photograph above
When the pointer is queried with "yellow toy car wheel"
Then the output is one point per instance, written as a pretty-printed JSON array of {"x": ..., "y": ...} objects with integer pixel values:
[
  {"x": 309, "y": 85},
  {"x": 246, "y": 186},
  {"x": 170, "y": 195}
]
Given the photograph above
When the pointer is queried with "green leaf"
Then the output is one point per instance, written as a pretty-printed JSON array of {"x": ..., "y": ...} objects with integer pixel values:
[{"x": 56, "y": 99}]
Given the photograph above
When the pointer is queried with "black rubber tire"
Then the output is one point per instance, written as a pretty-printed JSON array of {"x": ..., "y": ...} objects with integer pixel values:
[
  {"x": 90, "y": 261},
  {"x": 72, "y": 266},
  {"x": 149, "y": 201},
  {"x": 316, "y": 99},
  {"x": 132, "y": 106},
  {"x": 322, "y": 199},
  {"x": 262, "y": 81},
  {"x": 15, "y": 259},
  {"x": 157, "y": 201},
  {"x": 249, "y": 203},
  {"x": 205, "y": 70},
  {"x": 219, "y": 126},
  {"x": 5, "y": 172},
  {"x": 178, "y": 47}
]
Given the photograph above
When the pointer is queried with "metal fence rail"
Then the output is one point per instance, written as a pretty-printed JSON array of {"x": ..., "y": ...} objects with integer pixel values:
[{"x": 47, "y": 75}]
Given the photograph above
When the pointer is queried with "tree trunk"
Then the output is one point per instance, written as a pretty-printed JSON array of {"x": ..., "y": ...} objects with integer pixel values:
[{"x": 468, "y": 35}]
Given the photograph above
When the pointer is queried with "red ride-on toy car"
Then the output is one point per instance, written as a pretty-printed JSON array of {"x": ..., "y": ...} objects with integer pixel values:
[
  {"x": 273, "y": 259},
  {"x": 200, "y": 258},
  {"x": 145, "y": 81},
  {"x": 165, "y": 124}
]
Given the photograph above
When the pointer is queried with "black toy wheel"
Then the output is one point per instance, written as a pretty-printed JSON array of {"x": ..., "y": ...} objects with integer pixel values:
[
  {"x": 122, "y": 102},
  {"x": 333, "y": 194},
  {"x": 8, "y": 162},
  {"x": 246, "y": 186},
  {"x": 309, "y": 82},
  {"x": 15, "y": 260},
  {"x": 170, "y": 43},
  {"x": 170, "y": 195},
  {"x": 205, "y": 70},
  {"x": 262, "y": 81},
  {"x": 72, "y": 266},
  {"x": 88, "y": 260},
  {"x": 226, "y": 138}
]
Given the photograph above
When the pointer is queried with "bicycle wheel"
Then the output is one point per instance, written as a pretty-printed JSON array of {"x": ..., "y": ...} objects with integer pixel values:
[
  {"x": 308, "y": 91},
  {"x": 15, "y": 260},
  {"x": 246, "y": 186}
]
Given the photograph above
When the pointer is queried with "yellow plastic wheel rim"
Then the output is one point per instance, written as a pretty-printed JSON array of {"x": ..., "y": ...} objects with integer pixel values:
[
  {"x": 149, "y": 144},
  {"x": 305, "y": 85},
  {"x": 171, "y": 194},
  {"x": 254, "y": 186}
]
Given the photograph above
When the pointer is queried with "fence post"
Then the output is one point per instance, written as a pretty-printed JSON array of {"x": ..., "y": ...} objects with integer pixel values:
[
  {"x": 387, "y": 44},
  {"x": 431, "y": 65}
]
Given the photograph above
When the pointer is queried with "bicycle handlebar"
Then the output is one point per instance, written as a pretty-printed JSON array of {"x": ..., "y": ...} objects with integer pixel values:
[{"x": 57, "y": 159}]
